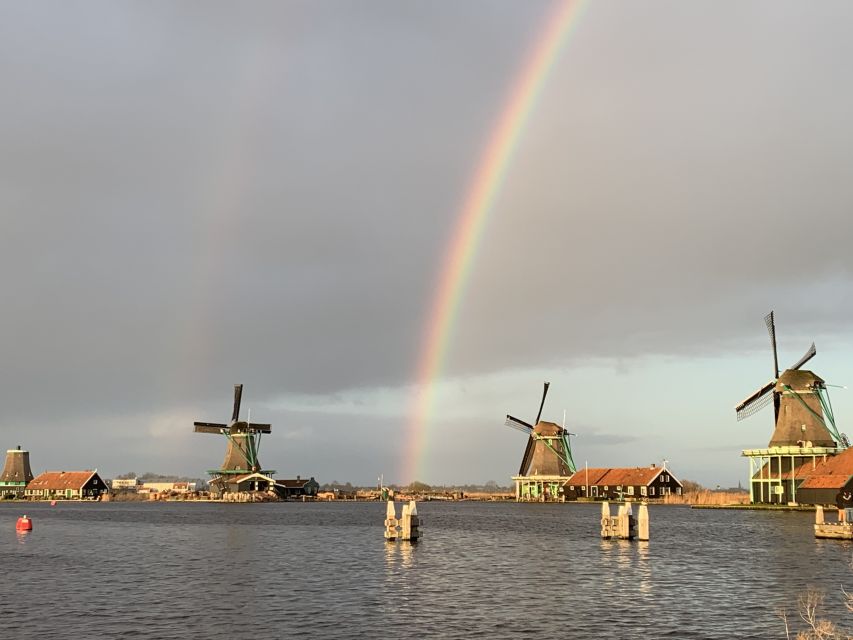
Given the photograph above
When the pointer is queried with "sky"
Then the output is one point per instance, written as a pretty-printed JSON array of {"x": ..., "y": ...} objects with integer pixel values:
[{"x": 198, "y": 194}]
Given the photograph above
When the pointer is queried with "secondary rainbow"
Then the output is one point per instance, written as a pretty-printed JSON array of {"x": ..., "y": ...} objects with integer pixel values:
[{"x": 478, "y": 203}]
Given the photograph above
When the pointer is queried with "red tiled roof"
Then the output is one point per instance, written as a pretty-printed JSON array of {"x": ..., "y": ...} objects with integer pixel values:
[
  {"x": 60, "y": 480},
  {"x": 636, "y": 476},
  {"x": 618, "y": 477},
  {"x": 582, "y": 477},
  {"x": 841, "y": 464},
  {"x": 833, "y": 473},
  {"x": 820, "y": 481}
]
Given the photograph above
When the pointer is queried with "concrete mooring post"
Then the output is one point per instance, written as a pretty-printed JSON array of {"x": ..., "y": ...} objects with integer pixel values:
[
  {"x": 818, "y": 515},
  {"x": 410, "y": 522},
  {"x": 391, "y": 522},
  {"x": 623, "y": 526},
  {"x": 607, "y": 522},
  {"x": 643, "y": 522}
]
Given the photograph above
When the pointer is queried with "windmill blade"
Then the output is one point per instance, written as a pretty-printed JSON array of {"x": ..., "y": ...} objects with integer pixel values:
[
  {"x": 771, "y": 329},
  {"x": 757, "y": 405},
  {"x": 238, "y": 394},
  {"x": 259, "y": 428},
  {"x": 208, "y": 427},
  {"x": 528, "y": 456},
  {"x": 542, "y": 404},
  {"x": 756, "y": 401},
  {"x": 811, "y": 353},
  {"x": 520, "y": 425}
]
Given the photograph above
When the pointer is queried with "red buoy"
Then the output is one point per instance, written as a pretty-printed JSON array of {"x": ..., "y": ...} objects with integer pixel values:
[{"x": 24, "y": 524}]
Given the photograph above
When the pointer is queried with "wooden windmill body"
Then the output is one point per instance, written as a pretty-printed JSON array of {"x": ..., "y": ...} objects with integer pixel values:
[
  {"x": 804, "y": 432},
  {"x": 547, "y": 461},
  {"x": 16, "y": 473}
]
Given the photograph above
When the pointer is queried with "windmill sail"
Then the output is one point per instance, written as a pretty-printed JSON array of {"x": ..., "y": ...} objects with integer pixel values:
[
  {"x": 756, "y": 402},
  {"x": 528, "y": 456},
  {"x": 771, "y": 329},
  {"x": 209, "y": 427},
  {"x": 520, "y": 425},
  {"x": 808, "y": 356},
  {"x": 542, "y": 404},
  {"x": 238, "y": 395}
]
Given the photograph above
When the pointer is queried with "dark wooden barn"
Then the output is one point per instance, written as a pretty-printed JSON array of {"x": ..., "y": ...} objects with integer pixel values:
[
  {"x": 297, "y": 488},
  {"x": 639, "y": 483},
  {"x": 70, "y": 485}
]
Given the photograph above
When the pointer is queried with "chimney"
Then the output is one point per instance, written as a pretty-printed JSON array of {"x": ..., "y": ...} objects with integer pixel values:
[{"x": 652, "y": 466}]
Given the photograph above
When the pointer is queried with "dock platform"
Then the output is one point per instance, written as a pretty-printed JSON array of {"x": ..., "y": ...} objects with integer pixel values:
[
  {"x": 835, "y": 530},
  {"x": 831, "y": 530}
]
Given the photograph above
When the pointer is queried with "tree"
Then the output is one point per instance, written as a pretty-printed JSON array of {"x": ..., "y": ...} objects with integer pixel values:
[
  {"x": 691, "y": 487},
  {"x": 418, "y": 487}
]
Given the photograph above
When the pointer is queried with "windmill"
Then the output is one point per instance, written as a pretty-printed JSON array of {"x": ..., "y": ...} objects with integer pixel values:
[
  {"x": 801, "y": 408},
  {"x": 244, "y": 440},
  {"x": 16, "y": 473},
  {"x": 804, "y": 428},
  {"x": 547, "y": 460}
]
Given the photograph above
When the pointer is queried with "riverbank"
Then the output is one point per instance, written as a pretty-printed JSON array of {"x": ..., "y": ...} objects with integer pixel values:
[{"x": 757, "y": 507}]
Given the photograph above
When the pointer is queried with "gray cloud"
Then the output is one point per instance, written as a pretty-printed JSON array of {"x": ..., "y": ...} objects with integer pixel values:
[{"x": 194, "y": 195}]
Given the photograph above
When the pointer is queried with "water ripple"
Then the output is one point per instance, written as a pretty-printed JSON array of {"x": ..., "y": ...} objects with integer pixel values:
[{"x": 494, "y": 570}]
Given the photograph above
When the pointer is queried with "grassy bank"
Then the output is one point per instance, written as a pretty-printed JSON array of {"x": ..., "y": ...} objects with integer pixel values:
[{"x": 706, "y": 497}]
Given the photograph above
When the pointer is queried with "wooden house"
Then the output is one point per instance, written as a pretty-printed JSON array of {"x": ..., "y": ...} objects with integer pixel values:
[
  {"x": 244, "y": 483},
  {"x": 298, "y": 487},
  {"x": 70, "y": 485},
  {"x": 638, "y": 483}
]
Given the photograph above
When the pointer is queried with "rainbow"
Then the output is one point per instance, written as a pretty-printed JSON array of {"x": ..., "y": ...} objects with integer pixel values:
[{"x": 477, "y": 204}]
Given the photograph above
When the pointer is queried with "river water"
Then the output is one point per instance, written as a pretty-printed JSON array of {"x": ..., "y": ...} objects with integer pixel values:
[{"x": 205, "y": 570}]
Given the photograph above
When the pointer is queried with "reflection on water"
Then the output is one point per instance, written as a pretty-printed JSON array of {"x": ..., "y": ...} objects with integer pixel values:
[
  {"x": 483, "y": 569},
  {"x": 644, "y": 568},
  {"x": 627, "y": 562}
]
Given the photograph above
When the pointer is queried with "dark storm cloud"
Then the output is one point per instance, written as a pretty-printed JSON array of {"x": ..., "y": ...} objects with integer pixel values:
[
  {"x": 696, "y": 178},
  {"x": 198, "y": 194},
  {"x": 195, "y": 197}
]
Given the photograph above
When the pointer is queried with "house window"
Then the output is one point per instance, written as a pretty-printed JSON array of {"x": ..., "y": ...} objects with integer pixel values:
[
  {"x": 630, "y": 491},
  {"x": 619, "y": 487},
  {"x": 664, "y": 478},
  {"x": 642, "y": 491},
  {"x": 605, "y": 487},
  {"x": 678, "y": 491},
  {"x": 651, "y": 491}
]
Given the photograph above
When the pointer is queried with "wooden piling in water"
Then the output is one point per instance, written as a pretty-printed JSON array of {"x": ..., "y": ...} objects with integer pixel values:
[
  {"x": 622, "y": 526},
  {"x": 643, "y": 522},
  {"x": 391, "y": 522},
  {"x": 410, "y": 522}
]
